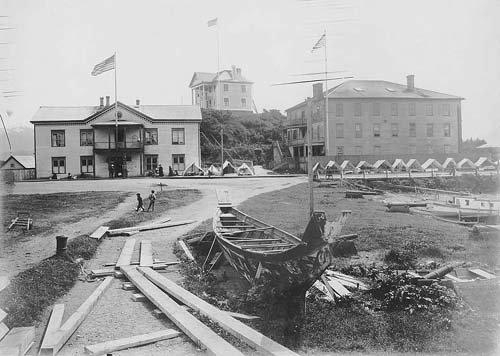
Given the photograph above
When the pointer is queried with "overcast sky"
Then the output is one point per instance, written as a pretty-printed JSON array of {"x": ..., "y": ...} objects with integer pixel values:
[{"x": 452, "y": 46}]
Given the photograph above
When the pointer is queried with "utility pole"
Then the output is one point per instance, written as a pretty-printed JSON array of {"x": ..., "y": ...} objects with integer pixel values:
[
  {"x": 309, "y": 156},
  {"x": 222, "y": 147}
]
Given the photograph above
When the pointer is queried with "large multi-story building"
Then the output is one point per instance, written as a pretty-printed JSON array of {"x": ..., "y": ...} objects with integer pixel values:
[
  {"x": 226, "y": 90},
  {"x": 377, "y": 119},
  {"x": 99, "y": 141}
]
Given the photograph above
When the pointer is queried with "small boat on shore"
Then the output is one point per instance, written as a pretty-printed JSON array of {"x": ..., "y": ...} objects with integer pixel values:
[{"x": 261, "y": 252}]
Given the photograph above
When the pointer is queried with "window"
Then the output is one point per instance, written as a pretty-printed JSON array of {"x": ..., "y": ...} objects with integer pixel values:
[
  {"x": 377, "y": 150},
  {"x": 178, "y": 163},
  {"x": 358, "y": 150},
  {"x": 413, "y": 129},
  {"x": 394, "y": 130},
  {"x": 429, "y": 110},
  {"x": 150, "y": 136},
  {"x": 151, "y": 162},
  {"x": 339, "y": 109},
  {"x": 303, "y": 114},
  {"x": 339, "y": 130},
  {"x": 376, "y": 109},
  {"x": 447, "y": 149},
  {"x": 447, "y": 130},
  {"x": 394, "y": 109},
  {"x": 340, "y": 150},
  {"x": 243, "y": 102},
  {"x": 430, "y": 130},
  {"x": 243, "y": 89},
  {"x": 87, "y": 164},
  {"x": 376, "y": 130},
  {"x": 59, "y": 165},
  {"x": 178, "y": 136},
  {"x": 412, "y": 109},
  {"x": 58, "y": 138},
  {"x": 446, "y": 109},
  {"x": 358, "y": 131},
  {"x": 226, "y": 87},
  {"x": 86, "y": 137},
  {"x": 226, "y": 101},
  {"x": 357, "y": 109}
]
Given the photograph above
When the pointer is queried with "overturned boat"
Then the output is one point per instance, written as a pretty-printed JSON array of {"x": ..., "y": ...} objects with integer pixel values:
[{"x": 262, "y": 253}]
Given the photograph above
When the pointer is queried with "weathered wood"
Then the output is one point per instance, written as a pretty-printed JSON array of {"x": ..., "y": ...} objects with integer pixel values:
[
  {"x": 138, "y": 297},
  {"x": 54, "y": 323},
  {"x": 102, "y": 272},
  {"x": 133, "y": 341},
  {"x": 233, "y": 326},
  {"x": 57, "y": 340},
  {"x": 126, "y": 254},
  {"x": 128, "y": 286},
  {"x": 3, "y": 330},
  {"x": 99, "y": 233},
  {"x": 249, "y": 230},
  {"x": 188, "y": 253},
  {"x": 118, "y": 274},
  {"x": 18, "y": 338},
  {"x": 125, "y": 230},
  {"x": 146, "y": 254},
  {"x": 481, "y": 273},
  {"x": 192, "y": 327},
  {"x": 336, "y": 286},
  {"x": 242, "y": 316}
]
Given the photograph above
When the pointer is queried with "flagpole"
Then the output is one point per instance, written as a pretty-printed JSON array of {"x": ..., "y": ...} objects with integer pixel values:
[{"x": 327, "y": 132}]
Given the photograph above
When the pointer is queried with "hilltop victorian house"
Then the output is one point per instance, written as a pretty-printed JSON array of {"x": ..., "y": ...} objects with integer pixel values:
[{"x": 94, "y": 141}]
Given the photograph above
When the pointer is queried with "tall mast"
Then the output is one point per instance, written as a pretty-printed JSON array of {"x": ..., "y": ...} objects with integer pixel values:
[{"x": 327, "y": 135}]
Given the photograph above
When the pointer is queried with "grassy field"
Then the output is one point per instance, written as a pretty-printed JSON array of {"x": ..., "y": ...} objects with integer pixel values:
[{"x": 471, "y": 326}]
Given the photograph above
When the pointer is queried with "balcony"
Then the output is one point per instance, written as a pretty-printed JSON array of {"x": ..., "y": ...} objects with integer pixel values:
[{"x": 115, "y": 146}]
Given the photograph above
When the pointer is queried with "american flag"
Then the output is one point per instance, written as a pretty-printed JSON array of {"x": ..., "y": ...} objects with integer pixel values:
[
  {"x": 212, "y": 22},
  {"x": 104, "y": 66},
  {"x": 321, "y": 43}
]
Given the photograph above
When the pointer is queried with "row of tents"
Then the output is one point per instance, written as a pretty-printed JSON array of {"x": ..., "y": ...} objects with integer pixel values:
[
  {"x": 241, "y": 168},
  {"x": 413, "y": 165}
]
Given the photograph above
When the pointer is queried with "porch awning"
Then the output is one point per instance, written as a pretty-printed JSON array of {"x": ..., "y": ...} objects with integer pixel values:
[{"x": 120, "y": 123}]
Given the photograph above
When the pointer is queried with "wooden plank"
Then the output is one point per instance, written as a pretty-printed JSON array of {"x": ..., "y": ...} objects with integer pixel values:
[
  {"x": 126, "y": 254},
  {"x": 479, "y": 272},
  {"x": 146, "y": 254},
  {"x": 99, "y": 233},
  {"x": 242, "y": 316},
  {"x": 3, "y": 330},
  {"x": 134, "y": 341},
  {"x": 118, "y": 274},
  {"x": 249, "y": 230},
  {"x": 57, "y": 340},
  {"x": 192, "y": 327},
  {"x": 148, "y": 227},
  {"x": 233, "y": 326},
  {"x": 3, "y": 314},
  {"x": 265, "y": 246},
  {"x": 54, "y": 323},
  {"x": 18, "y": 338},
  {"x": 188, "y": 253},
  {"x": 456, "y": 279},
  {"x": 336, "y": 286},
  {"x": 138, "y": 297},
  {"x": 128, "y": 286},
  {"x": 102, "y": 272}
]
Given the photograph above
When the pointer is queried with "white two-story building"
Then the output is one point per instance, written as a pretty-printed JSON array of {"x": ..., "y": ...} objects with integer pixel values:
[{"x": 115, "y": 140}]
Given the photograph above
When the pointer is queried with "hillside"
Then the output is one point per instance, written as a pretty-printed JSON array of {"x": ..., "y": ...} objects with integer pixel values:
[{"x": 246, "y": 136}]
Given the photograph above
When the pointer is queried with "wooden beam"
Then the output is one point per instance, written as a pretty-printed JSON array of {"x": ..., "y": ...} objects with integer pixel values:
[
  {"x": 134, "y": 341},
  {"x": 233, "y": 326},
  {"x": 188, "y": 253},
  {"x": 57, "y": 340},
  {"x": 125, "y": 230},
  {"x": 483, "y": 274},
  {"x": 192, "y": 327},
  {"x": 126, "y": 254},
  {"x": 102, "y": 272},
  {"x": 146, "y": 255},
  {"x": 265, "y": 246},
  {"x": 20, "y": 339},
  {"x": 54, "y": 323},
  {"x": 99, "y": 233},
  {"x": 249, "y": 230},
  {"x": 336, "y": 286}
]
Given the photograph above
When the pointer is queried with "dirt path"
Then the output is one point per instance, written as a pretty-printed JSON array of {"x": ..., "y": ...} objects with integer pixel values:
[{"x": 116, "y": 315}]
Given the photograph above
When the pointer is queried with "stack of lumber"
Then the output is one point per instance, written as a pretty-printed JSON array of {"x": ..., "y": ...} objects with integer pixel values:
[{"x": 335, "y": 285}]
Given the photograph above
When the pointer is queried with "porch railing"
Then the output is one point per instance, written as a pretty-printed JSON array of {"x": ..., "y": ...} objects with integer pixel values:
[{"x": 107, "y": 145}]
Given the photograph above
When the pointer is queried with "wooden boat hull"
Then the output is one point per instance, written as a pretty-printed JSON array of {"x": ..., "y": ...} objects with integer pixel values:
[{"x": 295, "y": 266}]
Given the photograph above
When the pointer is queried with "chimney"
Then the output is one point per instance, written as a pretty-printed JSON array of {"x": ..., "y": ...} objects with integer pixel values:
[
  {"x": 410, "y": 82},
  {"x": 101, "y": 102},
  {"x": 233, "y": 68},
  {"x": 238, "y": 71},
  {"x": 137, "y": 102},
  {"x": 318, "y": 91},
  {"x": 107, "y": 100}
]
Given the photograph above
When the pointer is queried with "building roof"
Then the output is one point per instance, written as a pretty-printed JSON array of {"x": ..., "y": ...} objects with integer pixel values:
[
  {"x": 27, "y": 162},
  {"x": 84, "y": 113},
  {"x": 226, "y": 75},
  {"x": 375, "y": 89}
]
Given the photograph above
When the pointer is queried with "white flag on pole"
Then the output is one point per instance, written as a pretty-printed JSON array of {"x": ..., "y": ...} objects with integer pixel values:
[{"x": 212, "y": 22}]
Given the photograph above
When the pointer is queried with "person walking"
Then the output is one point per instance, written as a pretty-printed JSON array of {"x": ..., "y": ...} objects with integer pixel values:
[
  {"x": 152, "y": 198},
  {"x": 140, "y": 205},
  {"x": 160, "y": 170}
]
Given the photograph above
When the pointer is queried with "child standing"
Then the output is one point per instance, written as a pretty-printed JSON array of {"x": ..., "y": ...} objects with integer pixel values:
[
  {"x": 152, "y": 198},
  {"x": 140, "y": 205}
]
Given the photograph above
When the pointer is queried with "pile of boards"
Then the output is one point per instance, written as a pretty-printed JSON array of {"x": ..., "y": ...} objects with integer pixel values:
[
  {"x": 171, "y": 300},
  {"x": 334, "y": 285}
]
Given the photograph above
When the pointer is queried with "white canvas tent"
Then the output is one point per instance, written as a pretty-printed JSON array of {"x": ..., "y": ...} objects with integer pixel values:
[
  {"x": 228, "y": 167},
  {"x": 193, "y": 170},
  {"x": 318, "y": 168},
  {"x": 347, "y": 166},
  {"x": 244, "y": 170},
  {"x": 364, "y": 166},
  {"x": 382, "y": 165},
  {"x": 398, "y": 165},
  {"x": 413, "y": 165},
  {"x": 432, "y": 164},
  {"x": 485, "y": 162},
  {"x": 465, "y": 163},
  {"x": 214, "y": 171},
  {"x": 449, "y": 163}
]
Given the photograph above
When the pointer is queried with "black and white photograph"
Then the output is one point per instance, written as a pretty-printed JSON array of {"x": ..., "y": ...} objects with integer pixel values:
[{"x": 250, "y": 177}]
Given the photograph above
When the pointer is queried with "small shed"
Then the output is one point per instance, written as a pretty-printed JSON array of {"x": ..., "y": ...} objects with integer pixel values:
[
  {"x": 465, "y": 163},
  {"x": 485, "y": 163},
  {"x": 347, "y": 167},
  {"x": 432, "y": 164},
  {"x": 193, "y": 170},
  {"x": 17, "y": 168},
  {"x": 364, "y": 166},
  {"x": 382, "y": 165},
  {"x": 398, "y": 165},
  {"x": 228, "y": 167},
  {"x": 244, "y": 170},
  {"x": 414, "y": 165}
]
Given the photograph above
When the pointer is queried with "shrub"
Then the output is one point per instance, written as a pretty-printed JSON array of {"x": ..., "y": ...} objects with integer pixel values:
[{"x": 82, "y": 247}]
